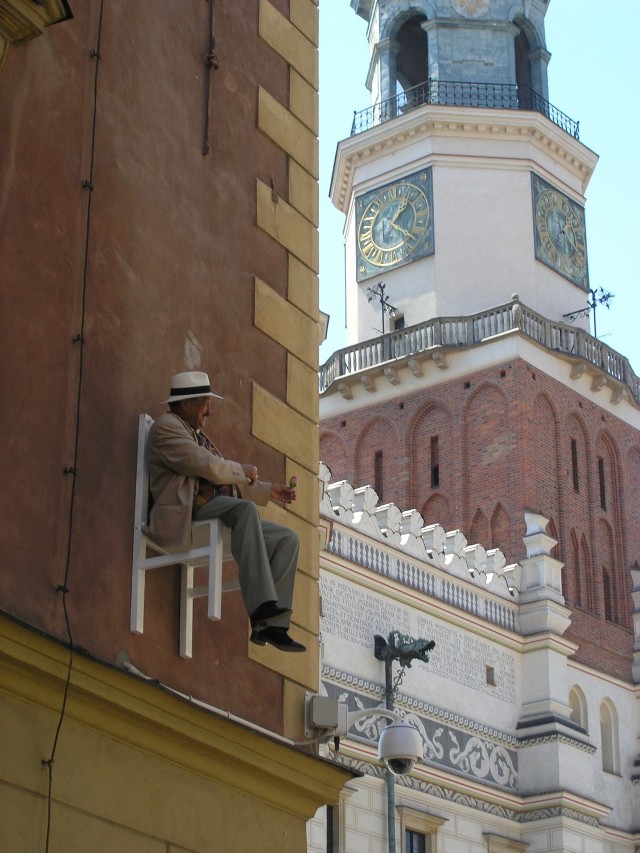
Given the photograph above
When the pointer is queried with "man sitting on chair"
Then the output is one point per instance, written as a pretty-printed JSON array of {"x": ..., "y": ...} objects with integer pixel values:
[{"x": 190, "y": 480}]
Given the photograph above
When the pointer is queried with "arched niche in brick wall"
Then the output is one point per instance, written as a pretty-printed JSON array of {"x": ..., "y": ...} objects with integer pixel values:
[
  {"x": 544, "y": 425},
  {"x": 376, "y": 458},
  {"x": 333, "y": 452},
  {"x": 488, "y": 451},
  {"x": 479, "y": 530},
  {"x": 436, "y": 510},
  {"x": 577, "y": 575},
  {"x": 431, "y": 441},
  {"x": 500, "y": 527}
]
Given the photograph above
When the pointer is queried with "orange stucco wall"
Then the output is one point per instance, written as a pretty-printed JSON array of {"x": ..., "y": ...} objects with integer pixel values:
[{"x": 154, "y": 268}]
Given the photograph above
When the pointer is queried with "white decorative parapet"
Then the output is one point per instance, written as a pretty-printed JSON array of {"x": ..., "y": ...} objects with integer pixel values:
[{"x": 409, "y": 537}]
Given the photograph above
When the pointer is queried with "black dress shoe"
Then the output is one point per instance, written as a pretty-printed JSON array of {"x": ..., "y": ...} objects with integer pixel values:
[
  {"x": 267, "y": 610},
  {"x": 277, "y": 637}
]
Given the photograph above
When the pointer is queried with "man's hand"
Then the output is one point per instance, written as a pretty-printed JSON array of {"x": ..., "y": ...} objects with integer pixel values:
[
  {"x": 282, "y": 493},
  {"x": 251, "y": 473}
]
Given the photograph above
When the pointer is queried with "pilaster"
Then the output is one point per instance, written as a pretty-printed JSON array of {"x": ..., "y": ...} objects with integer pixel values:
[
  {"x": 635, "y": 576},
  {"x": 382, "y": 77},
  {"x": 547, "y": 734}
]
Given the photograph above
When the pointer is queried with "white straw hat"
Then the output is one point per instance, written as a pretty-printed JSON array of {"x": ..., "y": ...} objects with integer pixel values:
[{"x": 192, "y": 383}]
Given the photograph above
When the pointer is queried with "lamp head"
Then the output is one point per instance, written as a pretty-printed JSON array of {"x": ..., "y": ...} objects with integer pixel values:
[{"x": 400, "y": 746}]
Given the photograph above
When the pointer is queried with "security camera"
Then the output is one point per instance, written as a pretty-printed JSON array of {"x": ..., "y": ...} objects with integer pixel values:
[{"x": 400, "y": 746}]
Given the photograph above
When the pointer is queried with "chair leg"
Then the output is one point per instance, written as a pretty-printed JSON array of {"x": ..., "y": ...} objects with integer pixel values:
[
  {"x": 186, "y": 610},
  {"x": 214, "y": 603},
  {"x": 137, "y": 592}
]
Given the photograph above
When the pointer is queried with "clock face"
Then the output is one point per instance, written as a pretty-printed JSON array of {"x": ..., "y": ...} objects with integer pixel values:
[
  {"x": 394, "y": 224},
  {"x": 559, "y": 232}
]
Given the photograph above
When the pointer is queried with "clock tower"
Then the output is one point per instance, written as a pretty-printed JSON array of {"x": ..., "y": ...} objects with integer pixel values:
[
  {"x": 462, "y": 184},
  {"x": 463, "y": 190}
]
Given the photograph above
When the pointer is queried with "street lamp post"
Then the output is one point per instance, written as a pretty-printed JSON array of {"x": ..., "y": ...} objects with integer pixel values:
[
  {"x": 405, "y": 650},
  {"x": 400, "y": 743}
]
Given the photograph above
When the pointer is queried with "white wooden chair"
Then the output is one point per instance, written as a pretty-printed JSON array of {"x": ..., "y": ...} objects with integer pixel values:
[{"x": 210, "y": 548}]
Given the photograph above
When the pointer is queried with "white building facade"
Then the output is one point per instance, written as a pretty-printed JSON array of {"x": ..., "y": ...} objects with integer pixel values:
[{"x": 523, "y": 748}]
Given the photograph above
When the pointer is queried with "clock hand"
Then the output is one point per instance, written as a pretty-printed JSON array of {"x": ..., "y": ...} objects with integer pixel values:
[
  {"x": 401, "y": 230},
  {"x": 569, "y": 235},
  {"x": 401, "y": 207}
]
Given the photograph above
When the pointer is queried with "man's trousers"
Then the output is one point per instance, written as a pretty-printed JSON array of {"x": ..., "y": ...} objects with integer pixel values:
[{"x": 266, "y": 553}]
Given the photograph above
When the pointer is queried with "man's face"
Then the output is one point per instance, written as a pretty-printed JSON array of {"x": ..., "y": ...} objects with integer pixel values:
[{"x": 196, "y": 411}]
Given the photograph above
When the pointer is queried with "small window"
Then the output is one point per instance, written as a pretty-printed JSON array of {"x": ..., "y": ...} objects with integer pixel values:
[
  {"x": 435, "y": 462},
  {"x": 491, "y": 676},
  {"x": 418, "y": 830},
  {"x": 416, "y": 842},
  {"x": 378, "y": 485},
  {"x": 607, "y": 593},
  {"x": 578, "y": 704},
  {"x": 399, "y": 323},
  {"x": 333, "y": 829},
  {"x": 574, "y": 465},
  {"x": 578, "y": 576},
  {"x": 603, "y": 491},
  {"x": 609, "y": 738}
]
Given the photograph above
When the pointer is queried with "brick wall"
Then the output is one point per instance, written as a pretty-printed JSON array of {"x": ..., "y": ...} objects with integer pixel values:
[{"x": 504, "y": 444}]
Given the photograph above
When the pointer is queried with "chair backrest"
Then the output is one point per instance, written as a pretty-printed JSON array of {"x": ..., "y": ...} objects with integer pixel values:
[{"x": 145, "y": 422}]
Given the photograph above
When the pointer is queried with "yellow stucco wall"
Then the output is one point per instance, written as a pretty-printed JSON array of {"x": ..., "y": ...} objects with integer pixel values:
[
  {"x": 291, "y": 426},
  {"x": 139, "y": 768}
]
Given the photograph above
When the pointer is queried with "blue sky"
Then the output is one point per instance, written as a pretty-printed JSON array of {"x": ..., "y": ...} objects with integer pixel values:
[{"x": 594, "y": 74}]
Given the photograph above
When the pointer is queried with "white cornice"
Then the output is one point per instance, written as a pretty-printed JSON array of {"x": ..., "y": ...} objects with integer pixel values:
[
  {"x": 438, "y": 365},
  {"x": 526, "y": 131}
]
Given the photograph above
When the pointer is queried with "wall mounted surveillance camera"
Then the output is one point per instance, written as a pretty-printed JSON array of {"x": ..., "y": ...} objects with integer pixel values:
[{"x": 400, "y": 746}]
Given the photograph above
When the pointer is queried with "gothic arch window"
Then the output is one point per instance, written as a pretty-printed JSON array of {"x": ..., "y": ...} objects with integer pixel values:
[
  {"x": 608, "y": 474},
  {"x": 575, "y": 453},
  {"x": 376, "y": 459},
  {"x": 430, "y": 454},
  {"x": 586, "y": 578},
  {"x": 606, "y": 558},
  {"x": 609, "y": 738},
  {"x": 572, "y": 588},
  {"x": 578, "y": 704},
  {"x": 574, "y": 466},
  {"x": 607, "y": 593}
]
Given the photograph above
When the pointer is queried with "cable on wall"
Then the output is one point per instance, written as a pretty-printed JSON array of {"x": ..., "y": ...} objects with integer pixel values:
[
  {"x": 72, "y": 470},
  {"x": 211, "y": 62}
]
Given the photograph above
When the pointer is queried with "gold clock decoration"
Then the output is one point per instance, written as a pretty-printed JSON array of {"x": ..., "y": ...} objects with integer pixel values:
[
  {"x": 394, "y": 224},
  {"x": 471, "y": 8},
  {"x": 559, "y": 232}
]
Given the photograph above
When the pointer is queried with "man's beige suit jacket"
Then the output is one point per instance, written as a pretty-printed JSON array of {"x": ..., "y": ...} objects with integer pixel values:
[{"x": 175, "y": 461}]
